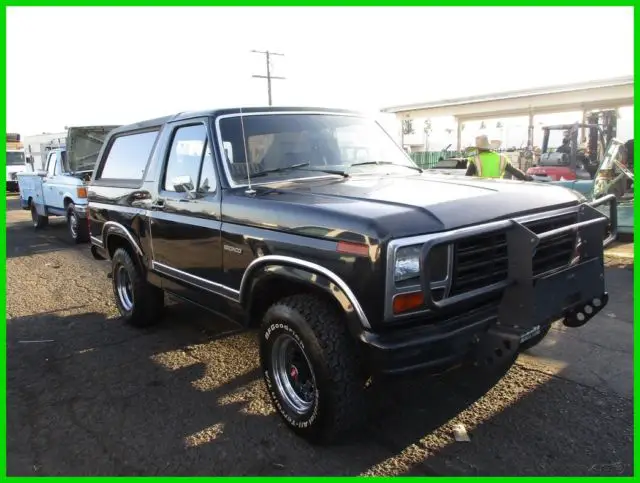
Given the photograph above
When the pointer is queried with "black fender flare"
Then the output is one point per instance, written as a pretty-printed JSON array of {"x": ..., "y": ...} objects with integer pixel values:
[
  {"x": 302, "y": 271},
  {"x": 112, "y": 228}
]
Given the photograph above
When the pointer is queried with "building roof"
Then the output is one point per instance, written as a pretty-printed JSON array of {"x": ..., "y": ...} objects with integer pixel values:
[{"x": 557, "y": 89}]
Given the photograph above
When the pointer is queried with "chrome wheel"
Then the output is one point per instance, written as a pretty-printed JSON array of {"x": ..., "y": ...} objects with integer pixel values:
[
  {"x": 293, "y": 375},
  {"x": 73, "y": 225},
  {"x": 124, "y": 288}
]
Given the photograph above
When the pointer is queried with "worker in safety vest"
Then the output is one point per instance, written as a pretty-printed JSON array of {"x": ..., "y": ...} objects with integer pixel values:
[{"x": 489, "y": 164}]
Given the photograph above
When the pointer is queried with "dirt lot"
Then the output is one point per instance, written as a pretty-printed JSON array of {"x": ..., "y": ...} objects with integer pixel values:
[{"x": 88, "y": 395}]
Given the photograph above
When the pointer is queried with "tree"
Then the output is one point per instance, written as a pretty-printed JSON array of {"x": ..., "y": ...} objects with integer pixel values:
[{"x": 407, "y": 126}]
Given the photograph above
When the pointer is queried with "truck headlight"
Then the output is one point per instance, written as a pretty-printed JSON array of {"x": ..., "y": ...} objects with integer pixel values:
[{"x": 407, "y": 264}]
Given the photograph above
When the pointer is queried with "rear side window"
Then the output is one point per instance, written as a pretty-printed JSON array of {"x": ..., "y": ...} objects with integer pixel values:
[{"x": 128, "y": 156}]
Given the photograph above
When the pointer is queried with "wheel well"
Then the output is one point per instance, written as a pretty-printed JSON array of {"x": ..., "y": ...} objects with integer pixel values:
[
  {"x": 67, "y": 202},
  {"x": 271, "y": 289},
  {"x": 29, "y": 202},
  {"x": 115, "y": 241}
]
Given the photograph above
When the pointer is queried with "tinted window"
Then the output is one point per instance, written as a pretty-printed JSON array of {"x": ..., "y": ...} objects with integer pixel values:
[
  {"x": 185, "y": 155},
  {"x": 128, "y": 156},
  {"x": 207, "y": 183}
]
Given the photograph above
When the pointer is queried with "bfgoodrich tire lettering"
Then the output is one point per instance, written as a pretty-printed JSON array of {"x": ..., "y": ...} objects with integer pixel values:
[
  {"x": 534, "y": 341},
  {"x": 315, "y": 328},
  {"x": 139, "y": 302}
]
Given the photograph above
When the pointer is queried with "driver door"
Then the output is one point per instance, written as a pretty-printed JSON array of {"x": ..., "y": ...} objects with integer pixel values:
[
  {"x": 185, "y": 225},
  {"x": 49, "y": 191}
]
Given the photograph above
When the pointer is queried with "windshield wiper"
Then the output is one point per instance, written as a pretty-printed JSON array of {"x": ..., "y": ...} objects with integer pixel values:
[
  {"x": 388, "y": 163},
  {"x": 297, "y": 166}
]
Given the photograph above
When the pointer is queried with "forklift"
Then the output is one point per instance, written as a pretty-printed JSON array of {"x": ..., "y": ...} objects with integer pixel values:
[{"x": 573, "y": 162}]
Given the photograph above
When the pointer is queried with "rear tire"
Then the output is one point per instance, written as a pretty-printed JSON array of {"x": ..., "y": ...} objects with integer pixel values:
[
  {"x": 311, "y": 369},
  {"x": 77, "y": 227},
  {"x": 38, "y": 221},
  {"x": 140, "y": 303}
]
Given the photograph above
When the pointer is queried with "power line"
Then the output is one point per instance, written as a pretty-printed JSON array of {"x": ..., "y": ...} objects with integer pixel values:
[{"x": 268, "y": 55}]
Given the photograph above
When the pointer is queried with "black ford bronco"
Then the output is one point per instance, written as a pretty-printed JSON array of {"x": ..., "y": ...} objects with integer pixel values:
[{"x": 314, "y": 226}]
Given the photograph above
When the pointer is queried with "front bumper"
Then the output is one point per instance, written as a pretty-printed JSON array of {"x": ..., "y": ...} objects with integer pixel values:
[
  {"x": 574, "y": 294},
  {"x": 427, "y": 347}
]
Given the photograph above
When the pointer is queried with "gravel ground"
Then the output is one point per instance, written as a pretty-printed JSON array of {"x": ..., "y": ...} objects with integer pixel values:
[{"x": 88, "y": 395}]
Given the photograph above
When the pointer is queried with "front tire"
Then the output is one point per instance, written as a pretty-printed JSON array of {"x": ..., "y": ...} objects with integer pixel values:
[
  {"x": 78, "y": 231},
  {"x": 534, "y": 341},
  {"x": 311, "y": 369},
  {"x": 140, "y": 303},
  {"x": 37, "y": 220}
]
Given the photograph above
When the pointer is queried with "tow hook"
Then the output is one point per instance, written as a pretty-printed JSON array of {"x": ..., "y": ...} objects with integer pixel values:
[{"x": 578, "y": 316}]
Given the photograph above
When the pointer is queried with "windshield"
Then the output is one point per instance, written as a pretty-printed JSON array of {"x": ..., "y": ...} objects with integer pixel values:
[
  {"x": 15, "y": 158},
  {"x": 309, "y": 143}
]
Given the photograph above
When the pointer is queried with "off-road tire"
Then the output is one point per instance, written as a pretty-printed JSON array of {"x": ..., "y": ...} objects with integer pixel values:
[
  {"x": 147, "y": 300},
  {"x": 534, "y": 341},
  {"x": 81, "y": 234},
  {"x": 37, "y": 220},
  {"x": 323, "y": 336}
]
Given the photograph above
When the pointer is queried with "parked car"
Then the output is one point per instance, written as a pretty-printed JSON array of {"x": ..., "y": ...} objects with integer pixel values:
[
  {"x": 60, "y": 189},
  {"x": 348, "y": 270}
]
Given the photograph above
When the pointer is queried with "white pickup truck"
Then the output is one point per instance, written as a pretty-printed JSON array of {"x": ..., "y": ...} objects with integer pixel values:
[{"x": 60, "y": 189}]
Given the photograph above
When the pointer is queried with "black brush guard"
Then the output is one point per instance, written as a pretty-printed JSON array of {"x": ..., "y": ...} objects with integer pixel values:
[{"x": 575, "y": 293}]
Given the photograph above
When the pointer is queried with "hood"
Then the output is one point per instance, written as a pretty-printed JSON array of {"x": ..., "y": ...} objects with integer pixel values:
[
  {"x": 398, "y": 206},
  {"x": 83, "y": 146},
  {"x": 451, "y": 171}
]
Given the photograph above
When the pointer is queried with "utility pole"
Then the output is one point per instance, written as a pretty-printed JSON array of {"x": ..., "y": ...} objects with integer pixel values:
[{"x": 268, "y": 55}]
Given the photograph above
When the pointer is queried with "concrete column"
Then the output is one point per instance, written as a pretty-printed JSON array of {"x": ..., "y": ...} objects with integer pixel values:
[
  {"x": 530, "y": 130},
  {"x": 458, "y": 135}
]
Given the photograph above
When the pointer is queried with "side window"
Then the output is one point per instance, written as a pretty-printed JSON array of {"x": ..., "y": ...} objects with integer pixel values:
[
  {"x": 128, "y": 156},
  {"x": 186, "y": 154},
  {"x": 207, "y": 183},
  {"x": 51, "y": 165}
]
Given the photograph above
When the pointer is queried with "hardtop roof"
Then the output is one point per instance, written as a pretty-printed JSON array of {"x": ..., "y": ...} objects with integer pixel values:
[{"x": 181, "y": 116}]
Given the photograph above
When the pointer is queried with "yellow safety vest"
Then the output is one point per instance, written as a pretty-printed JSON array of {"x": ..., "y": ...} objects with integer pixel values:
[{"x": 489, "y": 164}]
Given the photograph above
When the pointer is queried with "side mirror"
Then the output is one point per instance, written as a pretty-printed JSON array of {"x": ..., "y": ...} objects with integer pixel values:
[{"x": 183, "y": 184}]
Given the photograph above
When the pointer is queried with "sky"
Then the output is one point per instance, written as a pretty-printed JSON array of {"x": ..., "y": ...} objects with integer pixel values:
[{"x": 82, "y": 66}]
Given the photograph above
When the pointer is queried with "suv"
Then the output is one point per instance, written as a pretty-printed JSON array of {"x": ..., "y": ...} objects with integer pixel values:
[{"x": 314, "y": 226}]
